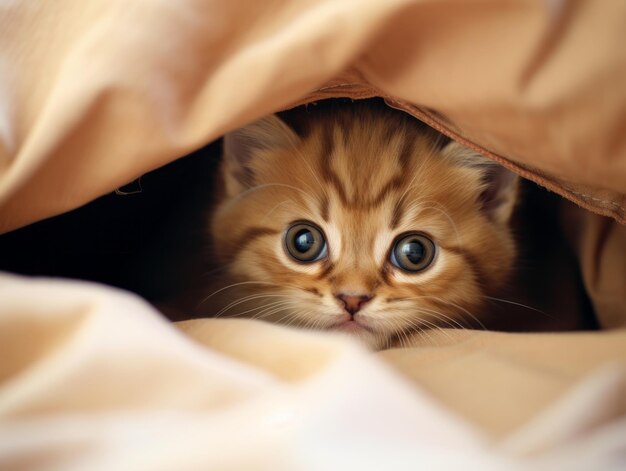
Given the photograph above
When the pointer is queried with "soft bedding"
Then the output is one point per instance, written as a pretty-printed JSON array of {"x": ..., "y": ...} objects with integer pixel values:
[{"x": 95, "y": 93}]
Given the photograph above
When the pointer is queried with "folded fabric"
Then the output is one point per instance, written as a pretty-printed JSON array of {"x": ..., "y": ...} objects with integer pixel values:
[{"x": 94, "y": 378}]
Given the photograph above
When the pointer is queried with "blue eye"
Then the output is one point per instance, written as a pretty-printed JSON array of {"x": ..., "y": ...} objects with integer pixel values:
[
  {"x": 413, "y": 252},
  {"x": 305, "y": 242}
]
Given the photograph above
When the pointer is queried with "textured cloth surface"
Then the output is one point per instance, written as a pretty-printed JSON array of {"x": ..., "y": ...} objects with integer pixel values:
[
  {"x": 94, "y": 378},
  {"x": 93, "y": 93}
]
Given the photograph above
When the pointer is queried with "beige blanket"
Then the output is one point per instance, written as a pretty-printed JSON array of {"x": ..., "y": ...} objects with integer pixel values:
[
  {"x": 94, "y": 93},
  {"x": 96, "y": 379}
]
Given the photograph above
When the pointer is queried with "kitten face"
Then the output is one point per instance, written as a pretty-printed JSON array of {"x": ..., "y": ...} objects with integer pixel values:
[{"x": 361, "y": 224}]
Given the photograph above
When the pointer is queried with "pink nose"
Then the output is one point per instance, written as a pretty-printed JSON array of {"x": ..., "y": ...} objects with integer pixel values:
[{"x": 353, "y": 303}]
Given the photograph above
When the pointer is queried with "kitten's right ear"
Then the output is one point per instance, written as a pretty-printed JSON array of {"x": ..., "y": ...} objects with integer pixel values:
[
  {"x": 499, "y": 189},
  {"x": 243, "y": 145}
]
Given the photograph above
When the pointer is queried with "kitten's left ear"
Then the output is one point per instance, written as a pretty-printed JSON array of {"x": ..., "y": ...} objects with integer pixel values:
[
  {"x": 242, "y": 145},
  {"x": 500, "y": 186}
]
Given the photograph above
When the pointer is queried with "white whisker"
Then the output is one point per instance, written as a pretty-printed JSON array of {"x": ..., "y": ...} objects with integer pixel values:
[
  {"x": 517, "y": 304},
  {"x": 235, "y": 285},
  {"x": 249, "y": 298},
  {"x": 256, "y": 308}
]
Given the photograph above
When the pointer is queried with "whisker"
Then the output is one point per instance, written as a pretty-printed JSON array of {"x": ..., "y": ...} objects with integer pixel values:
[
  {"x": 455, "y": 323},
  {"x": 315, "y": 322},
  {"x": 235, "y": 285},
  {"x": 265, "y": 314},
  {"x": 403, "y": 332},
  {"x": 268, "y": 311},
  {"x": 256, "y": 308},
  {"x": 396, "y": 331},
  {"x": 294, "y": 319},
  {"x": 440, "y": 317},
  {"x": 518, "y": 304},
  {"x": 451, "y": 320},
  {"x": 450, "y": 303},
  {"x": 445, "y": 301},
  {"x": 404, "y": 338},
  {"x": 430, "y": 325},
  {"x": 250, "y": 298}
]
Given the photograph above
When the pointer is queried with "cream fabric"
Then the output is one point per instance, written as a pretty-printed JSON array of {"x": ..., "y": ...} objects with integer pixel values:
[
  {"x": 94, "y": 93},
  {"x": 93, "y": 378}
]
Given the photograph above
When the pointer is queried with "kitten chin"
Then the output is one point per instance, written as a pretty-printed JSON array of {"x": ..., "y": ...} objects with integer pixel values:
[{"x": 357, "y": 218}]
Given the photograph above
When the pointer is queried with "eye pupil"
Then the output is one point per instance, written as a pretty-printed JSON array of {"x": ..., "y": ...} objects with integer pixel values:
[
  {"x": 413, "y": 251},
  {"x": 303, "y": 241}
]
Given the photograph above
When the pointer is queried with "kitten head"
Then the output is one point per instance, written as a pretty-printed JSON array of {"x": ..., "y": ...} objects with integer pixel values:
[{"x": 361, "y": 222}]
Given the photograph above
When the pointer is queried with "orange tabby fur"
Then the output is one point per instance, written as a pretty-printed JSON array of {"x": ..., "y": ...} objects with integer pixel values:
[{"x": 363, "y": 174}]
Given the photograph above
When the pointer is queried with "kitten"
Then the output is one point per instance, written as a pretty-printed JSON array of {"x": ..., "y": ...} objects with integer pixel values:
[{"x": 358, "y": 219}]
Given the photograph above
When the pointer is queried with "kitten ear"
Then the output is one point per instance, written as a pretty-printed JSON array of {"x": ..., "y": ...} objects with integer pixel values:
[
  {"x": 244, "y": 144},
  {"x": 500, "y": 186}
]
